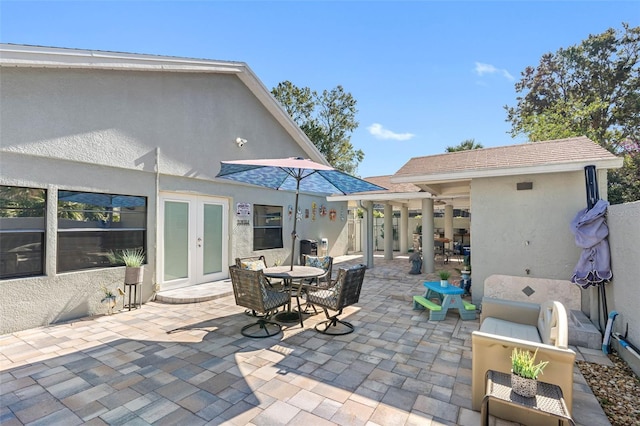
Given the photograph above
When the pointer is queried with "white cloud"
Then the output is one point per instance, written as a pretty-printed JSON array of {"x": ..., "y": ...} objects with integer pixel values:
[
  {"x": 380, "y": 132},
  {"x": 482, "y": 69}
]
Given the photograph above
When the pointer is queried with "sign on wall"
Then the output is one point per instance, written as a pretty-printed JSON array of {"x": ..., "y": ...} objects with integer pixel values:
[{"x": 243, "y": 209}]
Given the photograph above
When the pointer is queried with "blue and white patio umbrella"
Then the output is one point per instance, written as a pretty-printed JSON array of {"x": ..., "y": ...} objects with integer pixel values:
[{"x": 294, "y": 174}]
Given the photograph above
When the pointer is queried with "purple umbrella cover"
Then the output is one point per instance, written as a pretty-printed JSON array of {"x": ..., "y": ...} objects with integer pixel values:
[{"x": 591, "y": 231}]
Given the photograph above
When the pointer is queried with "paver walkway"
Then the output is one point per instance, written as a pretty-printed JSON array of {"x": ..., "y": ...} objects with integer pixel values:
[{"x": 189, "y": 365}]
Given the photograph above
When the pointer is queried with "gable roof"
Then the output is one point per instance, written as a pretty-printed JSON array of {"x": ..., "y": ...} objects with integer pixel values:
[
  {"x": 16, "y": 55},
  {"x": 559, "y": 155}
]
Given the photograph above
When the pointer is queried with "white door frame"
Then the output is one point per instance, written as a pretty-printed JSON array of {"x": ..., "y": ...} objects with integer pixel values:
[{"x": 195, "y": 249}]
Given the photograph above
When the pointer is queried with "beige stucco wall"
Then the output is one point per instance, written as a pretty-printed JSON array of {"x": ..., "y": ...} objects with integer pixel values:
[
  {"x": 102, "y": 131},
  {"x": 623, "y": 292},
  {"x": 526, "y": 233}
]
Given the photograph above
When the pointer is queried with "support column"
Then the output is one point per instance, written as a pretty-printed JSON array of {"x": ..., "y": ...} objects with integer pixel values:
[
  {"x": 388, "y": 231},
  {"x": 367, "y": 246},
  {"x": 404, "y": 229},
  {"x": 448, "y": 224},
  {"x": 428, "y": 262}
]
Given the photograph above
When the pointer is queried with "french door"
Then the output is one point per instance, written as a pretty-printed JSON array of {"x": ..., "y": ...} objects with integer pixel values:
[{"x": 194, "y": 240}]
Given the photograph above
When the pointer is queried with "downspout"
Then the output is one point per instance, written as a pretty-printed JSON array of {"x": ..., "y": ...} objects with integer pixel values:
[
  {"x": 156, "y": 273},
  {"x": 368, "y": 246}
]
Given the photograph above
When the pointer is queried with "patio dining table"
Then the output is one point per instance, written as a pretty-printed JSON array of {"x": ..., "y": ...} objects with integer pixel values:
[{"x": 290, "y": 276}]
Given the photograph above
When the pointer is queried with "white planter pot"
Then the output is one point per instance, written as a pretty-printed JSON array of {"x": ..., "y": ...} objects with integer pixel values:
[
  {"x": 133, "y": 275},
  {"x": 444, "y": 283}
]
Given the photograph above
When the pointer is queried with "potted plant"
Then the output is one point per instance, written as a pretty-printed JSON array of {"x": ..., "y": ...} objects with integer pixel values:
[
  {"x": 444, "y": 277},
  {"x": 133, "y": 259},
  {"x": 524, "y": 372}
]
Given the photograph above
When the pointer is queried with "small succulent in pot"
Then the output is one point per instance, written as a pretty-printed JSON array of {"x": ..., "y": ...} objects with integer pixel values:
[
  {"x": 523, "y": 363},
  {"x": 444, "y": 277},
  {"x": 133, "y": 259},
  {"x": 524, "y": 372}
]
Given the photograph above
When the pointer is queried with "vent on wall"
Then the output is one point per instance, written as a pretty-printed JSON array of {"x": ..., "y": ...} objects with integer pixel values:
[{"x": 521, "y": 186}]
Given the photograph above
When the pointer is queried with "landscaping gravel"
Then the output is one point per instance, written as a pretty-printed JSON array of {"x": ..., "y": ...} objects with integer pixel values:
[{"x": 617, "y": 388}]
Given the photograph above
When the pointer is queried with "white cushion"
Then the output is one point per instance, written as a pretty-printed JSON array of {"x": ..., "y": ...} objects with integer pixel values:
[{"x": 510, "y": 329}]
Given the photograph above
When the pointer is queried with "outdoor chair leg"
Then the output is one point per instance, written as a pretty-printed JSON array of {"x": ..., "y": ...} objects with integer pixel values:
[
  {"x": 331, "y": 325},
  {"x": 299, "y": 310},
  {"x": 269, "y": 328}
]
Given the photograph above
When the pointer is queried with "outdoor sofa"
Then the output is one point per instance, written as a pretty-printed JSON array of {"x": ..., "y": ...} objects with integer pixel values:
[{"x": 505, "y": 325}]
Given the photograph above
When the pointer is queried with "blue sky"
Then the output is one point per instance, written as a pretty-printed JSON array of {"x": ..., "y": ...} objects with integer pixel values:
[{"x": 426, "y": 74}]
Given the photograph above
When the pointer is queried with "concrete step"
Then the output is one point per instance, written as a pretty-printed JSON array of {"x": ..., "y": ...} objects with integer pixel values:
[{"x": 196, "y": 293}]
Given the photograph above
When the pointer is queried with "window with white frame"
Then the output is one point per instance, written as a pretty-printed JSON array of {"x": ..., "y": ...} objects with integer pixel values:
[
  {"x": 267, "y": 227},
  {"x": 93, "y": 228}
]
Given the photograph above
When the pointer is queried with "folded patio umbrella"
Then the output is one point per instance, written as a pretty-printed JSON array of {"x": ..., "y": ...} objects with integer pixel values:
[
  {"x": 297, "y": 174},
  {"x": 590, "y": 230}
]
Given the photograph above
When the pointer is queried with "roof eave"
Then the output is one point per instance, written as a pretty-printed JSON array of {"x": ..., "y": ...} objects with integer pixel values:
[
  {"x": 380, "y": 196},
  {"x": 605, "y": 163}
]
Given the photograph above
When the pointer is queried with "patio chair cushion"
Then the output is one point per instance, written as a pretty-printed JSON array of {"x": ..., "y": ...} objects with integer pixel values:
[
  {"x": 273, "y": 299},
  {"x": 321, "y": 262},
  {"x": 511, "y": 329},
  {"x": 252, "y": 265}
]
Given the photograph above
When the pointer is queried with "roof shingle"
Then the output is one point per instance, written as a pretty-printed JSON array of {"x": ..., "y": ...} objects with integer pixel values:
[{"x": 522, "y": 155}]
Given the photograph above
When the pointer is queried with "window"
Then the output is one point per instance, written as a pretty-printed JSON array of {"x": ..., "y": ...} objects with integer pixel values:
[
  {"x": 22, "y": 231},
  {"x": 267, "y": 227},
  {"x": 92, "y": 227}
]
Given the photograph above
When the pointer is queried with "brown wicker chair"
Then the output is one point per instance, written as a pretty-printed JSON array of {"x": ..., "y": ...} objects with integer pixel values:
[
  {"x": 252, "y": 291},
  {"x": 343, "y": 292},
  {"x": 321, "y": 282},
  {"x": 324, "y": 262},
  {"x": 257, "y": 263}
]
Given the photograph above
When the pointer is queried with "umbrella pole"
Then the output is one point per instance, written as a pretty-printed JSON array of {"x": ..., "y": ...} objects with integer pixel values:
[{"x": 295, "y": 223}]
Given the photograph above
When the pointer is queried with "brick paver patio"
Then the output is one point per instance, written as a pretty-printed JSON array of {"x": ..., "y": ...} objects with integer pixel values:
[{"x": 189, "y": 365}]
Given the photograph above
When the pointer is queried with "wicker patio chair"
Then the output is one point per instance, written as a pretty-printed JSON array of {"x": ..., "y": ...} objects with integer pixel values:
[
  {"x": 343, "y": 292},
  {"x": 252, "y": 291},
  {"x": 323, "y": 262},
  {"x": 257, "y": 263},
  {"x": 317, "y": 283}
]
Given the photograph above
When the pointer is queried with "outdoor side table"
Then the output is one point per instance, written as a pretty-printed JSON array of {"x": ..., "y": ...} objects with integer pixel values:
[
  {"x": 134, "y": 290},
  {"x": 548, "y": 400}
]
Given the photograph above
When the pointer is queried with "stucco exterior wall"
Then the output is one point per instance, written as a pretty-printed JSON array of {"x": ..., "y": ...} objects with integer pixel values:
[
  {"x": 526, "y": 233},
  {"x": 134, "y": 133},
  {"x": 118, "y": 118},
  {"x": 623, "y": 292}
]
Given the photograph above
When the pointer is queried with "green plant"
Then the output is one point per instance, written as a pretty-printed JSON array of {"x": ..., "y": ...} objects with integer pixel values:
[
  {"x": 109, "y": 295},
  {"x": 444, "y": 275},
  {"x": 132, "y": 257},
  {"x": 523, "y": 364}
]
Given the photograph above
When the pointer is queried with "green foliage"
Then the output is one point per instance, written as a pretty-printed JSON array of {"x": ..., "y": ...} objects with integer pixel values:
[
  {"x": 465, "y": 145},
  {"x": 132, "y": 257},
  {"x": 523, "y": 364},
  {"x": 327, "y": 119},
  {"x": 590, "y": 89},
  {"x": 22, "y": 202},
  {"x": 444, "y": 275},
  {"x": 109, "y": 295}
]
